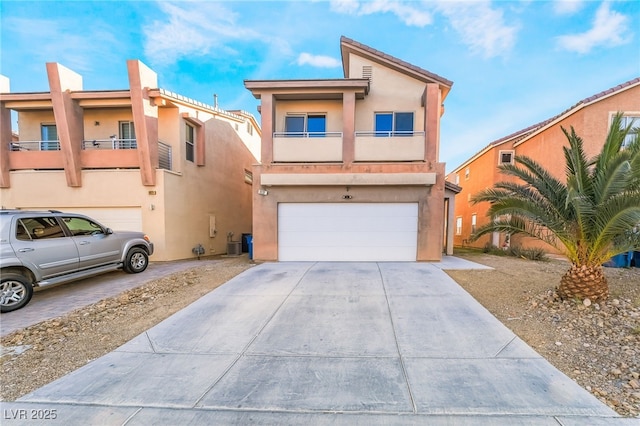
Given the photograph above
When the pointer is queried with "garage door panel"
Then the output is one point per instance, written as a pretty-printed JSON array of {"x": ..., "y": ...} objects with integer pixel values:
[{"x": 349, "y": 232}]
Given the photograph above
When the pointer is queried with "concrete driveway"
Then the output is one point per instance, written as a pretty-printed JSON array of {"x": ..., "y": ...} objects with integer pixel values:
[{"x": 322, "y": 343}]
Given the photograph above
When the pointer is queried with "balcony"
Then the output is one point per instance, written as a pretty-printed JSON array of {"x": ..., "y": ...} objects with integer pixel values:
[
  {"x": 307, "y": 147},
  {"x": 95, "y": 154},
  {"x": 389, "y": 146}
]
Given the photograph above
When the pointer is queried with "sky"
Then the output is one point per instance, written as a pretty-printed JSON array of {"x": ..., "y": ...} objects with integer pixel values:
[{"x": 513, "y": 63}]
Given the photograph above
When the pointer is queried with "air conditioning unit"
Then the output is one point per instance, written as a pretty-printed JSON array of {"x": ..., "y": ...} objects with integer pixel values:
[{"x": 234, "y": 248}]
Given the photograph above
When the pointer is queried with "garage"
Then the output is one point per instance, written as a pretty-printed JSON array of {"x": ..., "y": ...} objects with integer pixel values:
[
  {"x": 347, "y": 231},
  {"x": 116, "y": 218}
]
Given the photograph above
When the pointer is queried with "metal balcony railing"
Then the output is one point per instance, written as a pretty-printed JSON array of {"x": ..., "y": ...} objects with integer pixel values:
[
  {"x": 34, "y": 146},
  {"x": 307, "y": 134},
  {"x": 389, "y": 134},
  {"x": 110, "y": 144}
]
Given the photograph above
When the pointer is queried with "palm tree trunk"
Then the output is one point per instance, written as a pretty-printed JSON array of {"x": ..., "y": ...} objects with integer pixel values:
[{"x": 584, "y": 282}]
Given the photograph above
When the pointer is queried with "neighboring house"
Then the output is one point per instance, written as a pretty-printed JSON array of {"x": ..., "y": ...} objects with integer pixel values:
[
  {"x": 349, "y": 167},
  {"x": 139, "y": 159},
  {"x": 542, "y": 142}
]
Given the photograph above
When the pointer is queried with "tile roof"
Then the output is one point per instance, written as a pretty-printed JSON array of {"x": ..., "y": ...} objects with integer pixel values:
[
  {"x": 520, "y": 135},
  {"x": 391, "y": 59}
]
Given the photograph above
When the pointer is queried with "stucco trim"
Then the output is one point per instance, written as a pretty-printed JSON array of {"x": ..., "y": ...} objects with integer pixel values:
[{"x": 302, "y": 179}]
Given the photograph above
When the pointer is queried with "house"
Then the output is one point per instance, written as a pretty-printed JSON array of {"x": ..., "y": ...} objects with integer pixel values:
[
  {"x": 142, "y": 158},
  {"x": 349, "y": 167},
  {"x": 543, "y": 142}
]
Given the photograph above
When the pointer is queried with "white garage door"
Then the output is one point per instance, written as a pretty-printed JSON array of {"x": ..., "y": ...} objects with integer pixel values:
[
  {"x": 116, "y": 218},
  {"x": 347, "y": 232}
]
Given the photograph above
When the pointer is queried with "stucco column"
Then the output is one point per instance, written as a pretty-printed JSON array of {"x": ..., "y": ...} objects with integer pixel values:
[
  {"x": 267, "y": 115},
  {"x": 69, "y": 119},
  {"x": 433, "y": 105},
  {"x": 348, "y": 127},
  {"x": 5, "y": 125},
  {"x": 145, "y": 118},
  {"x": 451, "y": 208}
]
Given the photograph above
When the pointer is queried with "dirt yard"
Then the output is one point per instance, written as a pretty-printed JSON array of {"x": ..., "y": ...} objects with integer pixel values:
[{"x": 597, "y": 345}]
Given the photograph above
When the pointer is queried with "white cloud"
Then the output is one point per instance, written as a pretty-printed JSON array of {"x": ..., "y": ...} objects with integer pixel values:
[
  {"x": 609, "y": 29},
  {"x": 194, "y": 31},
  {"x": 406, "y": 12},
  {"x": 481, "y": 27},
  {"x": 318, "y": 61},
  {"x": 567, "y": 7}
]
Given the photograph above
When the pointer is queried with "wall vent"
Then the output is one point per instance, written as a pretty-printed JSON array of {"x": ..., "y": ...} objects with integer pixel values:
[{"x": 367, "y": 72}]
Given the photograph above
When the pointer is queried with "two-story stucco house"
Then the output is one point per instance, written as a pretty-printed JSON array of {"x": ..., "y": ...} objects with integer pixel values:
[
  {"x": 543, "y": 142},
  {"x": 140, "y": 159},
  {"x": 349, "y": 167}
]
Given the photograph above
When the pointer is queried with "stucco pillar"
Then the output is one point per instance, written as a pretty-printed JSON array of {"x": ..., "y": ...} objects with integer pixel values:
[
  {"x": 69, "y": 119},
  {"x": 432, "y": 109},
  {"x": 348, "y": 127},
  {"x": 267, "y": 115},
  {"x": 451, "y": 207},
  {"x": 145, "y": 118},
  {"x": 5, "y": 137}
]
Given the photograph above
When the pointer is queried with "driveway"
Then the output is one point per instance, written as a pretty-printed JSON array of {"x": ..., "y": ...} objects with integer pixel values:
[
  {"x": 52, "y": 302},
  {"x": 322, "y": 343}
]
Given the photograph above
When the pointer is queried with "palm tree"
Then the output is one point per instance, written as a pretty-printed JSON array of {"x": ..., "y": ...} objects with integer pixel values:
[{"x": 591, "y": 217}]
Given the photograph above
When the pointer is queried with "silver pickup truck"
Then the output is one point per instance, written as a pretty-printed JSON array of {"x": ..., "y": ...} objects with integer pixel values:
[{"x": 40, "y": 248}]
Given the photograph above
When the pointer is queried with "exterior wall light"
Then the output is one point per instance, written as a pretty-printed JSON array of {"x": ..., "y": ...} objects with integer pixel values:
[{"x": 263, "y": 191}]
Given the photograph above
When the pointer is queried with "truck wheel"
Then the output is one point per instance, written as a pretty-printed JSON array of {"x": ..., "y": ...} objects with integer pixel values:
[
  {"x": 137, "y": 261},
  {"x": 15, "y": 292}
]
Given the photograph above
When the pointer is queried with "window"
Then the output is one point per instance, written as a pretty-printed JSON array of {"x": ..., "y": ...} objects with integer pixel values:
[
  {"x": 633, "y": 121},
  {"x": 39, "y": 228},
  {"x": 458, "y": 226},
  {"x": 457, "y": 179},
  {"x": 249, "y": 128},
  {"x": 311, "y": 125},
  {"x": 127, "y": 139},
  {"x": 467, "y": 171},
  {"x": 394, "y": 124},
  {"x": 189, "y": 142},
  {"x": 474, "y": 219},
  {"x": 81, "y": 226},
  {"x": 505, "y": 157},
  {"x": 49, "y": 137}
]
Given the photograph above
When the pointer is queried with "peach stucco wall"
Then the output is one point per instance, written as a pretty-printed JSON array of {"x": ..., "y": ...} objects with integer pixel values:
[{"x": 591, "y": 123}]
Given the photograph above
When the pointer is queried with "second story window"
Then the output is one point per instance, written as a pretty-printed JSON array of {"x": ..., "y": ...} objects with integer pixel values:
[
  {"x": 189, "y": 142},
  {"x": 394, "y": 124},
  {"x": 127, "y": 135},
  {"x": 301, "y": 125},
  {"x": 49, "y": 138},
  {"x": 633, "y": 122}
]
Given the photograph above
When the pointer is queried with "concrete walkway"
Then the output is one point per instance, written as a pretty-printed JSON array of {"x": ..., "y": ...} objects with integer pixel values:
[{"x": 322, "y": 343}]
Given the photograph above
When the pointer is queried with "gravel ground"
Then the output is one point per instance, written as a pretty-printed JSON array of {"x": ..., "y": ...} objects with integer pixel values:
[{"x": 597, "y": 345}]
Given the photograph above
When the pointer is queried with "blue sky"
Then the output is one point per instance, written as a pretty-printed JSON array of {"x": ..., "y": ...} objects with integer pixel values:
[{"x": 513, "y": 63}]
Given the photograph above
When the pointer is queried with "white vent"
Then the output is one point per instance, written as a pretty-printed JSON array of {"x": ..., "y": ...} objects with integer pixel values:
[{"x": 367, "y": 72}]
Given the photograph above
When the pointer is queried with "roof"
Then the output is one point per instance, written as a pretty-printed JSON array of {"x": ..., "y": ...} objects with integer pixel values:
[
  {"x": 348, "y": 45},
  {"x": 521, "y": 136}
]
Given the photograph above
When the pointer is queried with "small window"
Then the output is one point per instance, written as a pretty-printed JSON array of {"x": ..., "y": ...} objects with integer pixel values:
[
  {"x": 248, "y": 177},
  {"x": 474, "y": 219},
  {"x": 189, "y": 142},
  {"x": 633, "y": 121},
  {"x": 457, "y": 179},
  {"x": 49, "y": 137},
  {"x": 467, "y": 171},
  {"x": 249, "y": 128},
  {"x": 459, "y": 226},
  {"x": 506, "y": 157}
]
